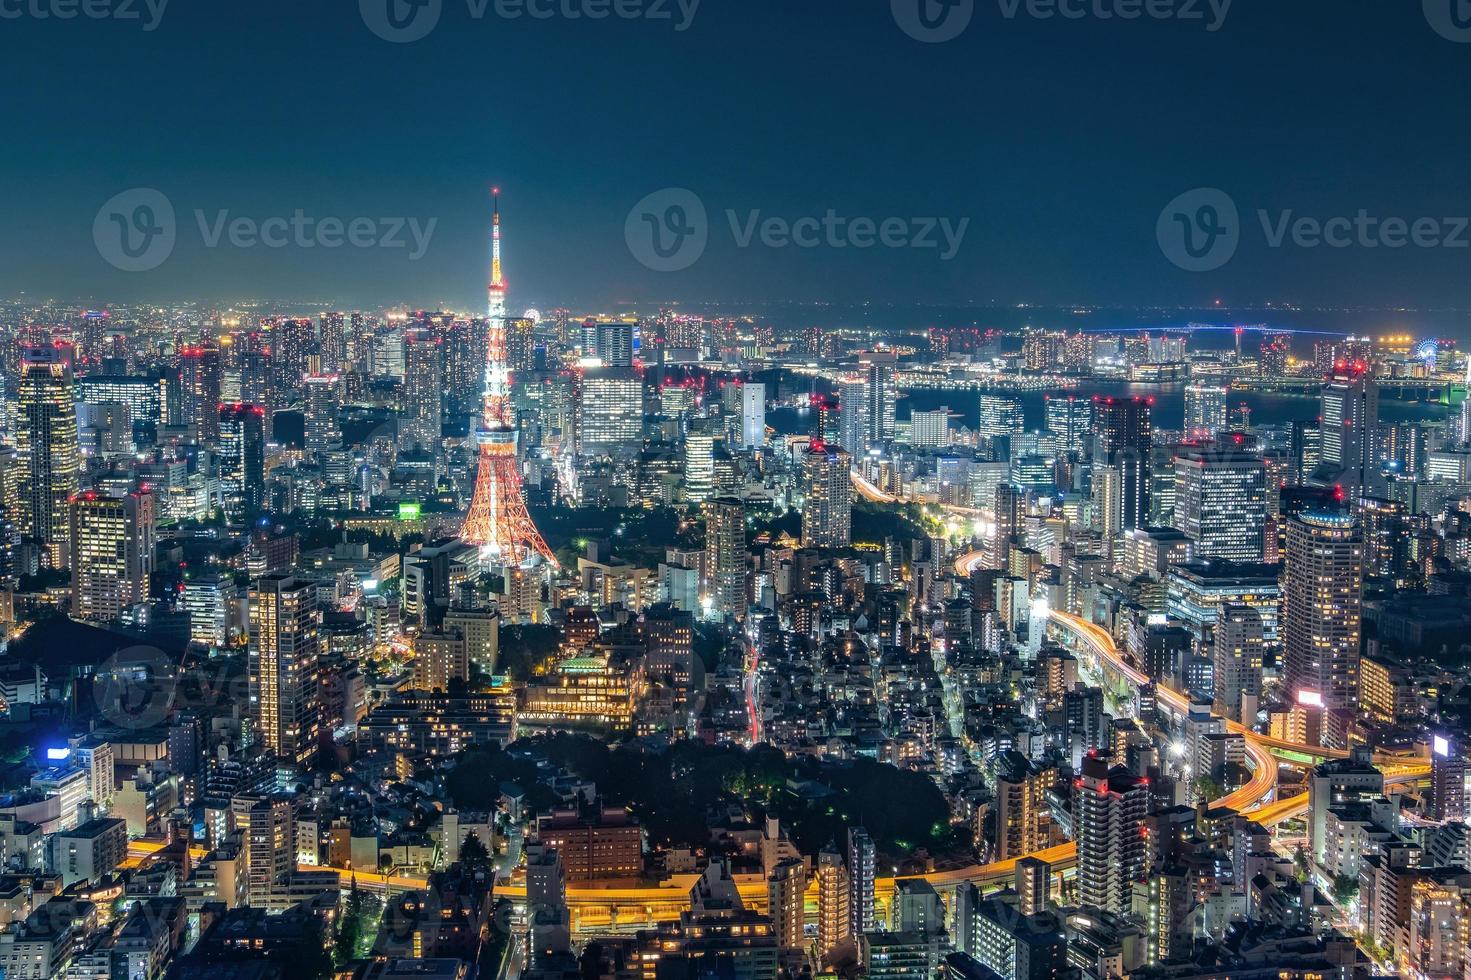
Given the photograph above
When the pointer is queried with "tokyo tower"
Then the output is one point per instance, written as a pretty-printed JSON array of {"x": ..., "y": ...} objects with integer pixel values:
[{"x": 498, "y": 521}]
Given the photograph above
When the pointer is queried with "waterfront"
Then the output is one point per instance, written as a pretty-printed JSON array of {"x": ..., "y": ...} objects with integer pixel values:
[{"x": 1267, "y": 407}]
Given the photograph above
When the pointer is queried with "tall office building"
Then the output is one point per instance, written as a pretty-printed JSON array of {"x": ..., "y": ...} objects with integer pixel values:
[
  {"x": 46, "y": 443},
  {"x": 1304, "y": 449},
  {"x": 1205, "y": 410},
  {"x": 1123, "y": 437},
  {"x": 199, "y": 390},
  {"x": 1069, "y": 420},
  {"x": 243, "y": 459},
  {"x": 929, "y": 429},
  {"x": 610, "y": 412},
  {"x": 1108, "y": 502},
  {"x": 1447, "y": 780},
  {"x": 879, "y": 394},
  {"x": 421, "y": 420},
  {"x": 332, "y": 342},
  {"x": 699, "y": 465},
  {"x": 323, "y": 404},
  {"x": 1239, "y": 639},
  {"x": 827, "y": 514},
  {"x": 853, "y": 413},
  {"x": 725, "y": 556},
  {"x": 613, "y": 343},
  {"x": 1322, "y": 584},
  {"x": 1109, "y": 809},
  {"x": 520, "y": 344},
  {"x": 1000, "y": 415},
  {"x": 753, "y": 415},
  {"x": 1221, "y": 503},
  {"x": 284, "y": 650},
  {"x": 112, "y": 547},
  {"x": 1008, "y": 515},
  {"x": 1402, "y": 448},
  {"x": 1349, "y": 424},
  {"x": 862, "y": 911}
]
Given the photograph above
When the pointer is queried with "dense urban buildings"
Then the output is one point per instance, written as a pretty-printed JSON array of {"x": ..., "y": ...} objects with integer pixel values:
[
  {"x": 1112, "y": 654},
  {"x": 667, "y": 645}
]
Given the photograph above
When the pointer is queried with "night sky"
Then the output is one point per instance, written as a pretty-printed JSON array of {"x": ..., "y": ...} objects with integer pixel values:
[{"x": 1060, "y": 141}]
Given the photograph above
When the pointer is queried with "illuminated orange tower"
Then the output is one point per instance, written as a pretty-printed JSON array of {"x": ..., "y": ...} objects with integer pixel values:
[{"x": 498, "y": 521}]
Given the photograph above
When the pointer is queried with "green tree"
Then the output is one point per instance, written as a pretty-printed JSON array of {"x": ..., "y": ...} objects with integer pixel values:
[{"x": 473, "y": 855}]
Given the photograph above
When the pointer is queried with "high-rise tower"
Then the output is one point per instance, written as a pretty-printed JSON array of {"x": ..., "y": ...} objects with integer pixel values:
[{"x": 498, "y": 521}]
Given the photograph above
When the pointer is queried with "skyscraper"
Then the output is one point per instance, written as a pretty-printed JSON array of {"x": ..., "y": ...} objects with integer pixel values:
[
  {"x": 786, "y": 893},
  {"x": 1239, "y": 639},
  {"x": 929, "y": 429},
  {"x": 1000, "y": 415},
  {"x": 725, "y": 556},
  {"x": 879, "y": 394},
  {"x": 610, "y": 412},
  {"x": 521, "y": 344},
  {"x": 1124, "y": 438},
  {"x": 827, "y": 514},
  {"x": 1221, "y": 503},
  {"x": 1447, "y": 780},
  {"x": 1350, "y": 422},
  {"x": 268, "y": 825},
  {"x": 1069, "y": 419},
  {"x": 834, "y": 922},
  {"x": 1008, "y": 512},
  {"x": 853, "y": 423},
  {"x": 1109, "y": 808},
  {"x": 613, "y": 342},
  {"x": 323, "y": 403},
  {"x": 47, "y": 445},
  {"x": 332, "y": 342},
  {"x": 1205, "y": 410},
  {"x": 1322, "y": 583},
  {"x": 112, "y": 548},
  {"x": 862, "y": 912},
  {"x": 199, "y": 390},
  {"x": 284, "y": 649},
  {"x": 753, "y": 415},
  {"x": 421, "y": 420},
  {"x": 242, "y": 458}
]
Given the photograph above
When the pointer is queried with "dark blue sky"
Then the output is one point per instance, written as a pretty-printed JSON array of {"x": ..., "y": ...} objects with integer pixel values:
[{"x": 1060, "y": 142}]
